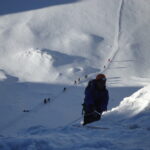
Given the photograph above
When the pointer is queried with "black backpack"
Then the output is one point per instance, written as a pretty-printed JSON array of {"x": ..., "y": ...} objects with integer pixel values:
[{"x": 90, "y": 83}]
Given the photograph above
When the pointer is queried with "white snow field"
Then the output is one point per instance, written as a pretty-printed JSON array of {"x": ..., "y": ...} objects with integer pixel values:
[{"x": 47, "y": 45}]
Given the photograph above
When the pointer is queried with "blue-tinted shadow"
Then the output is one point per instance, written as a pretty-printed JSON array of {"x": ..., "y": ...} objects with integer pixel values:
[{"x": 15, "y": 6}]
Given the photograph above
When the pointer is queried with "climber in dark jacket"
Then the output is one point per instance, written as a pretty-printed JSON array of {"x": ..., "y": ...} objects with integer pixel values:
[{"x": 96, "y": 99}]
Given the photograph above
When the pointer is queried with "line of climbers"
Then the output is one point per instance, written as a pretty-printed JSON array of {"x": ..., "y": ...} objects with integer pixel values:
[{"x": 96, "y": 98}]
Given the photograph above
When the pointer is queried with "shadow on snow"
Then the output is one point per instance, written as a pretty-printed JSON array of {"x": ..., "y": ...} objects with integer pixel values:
[
  {"x": 15, "y": 6},
  {"x": 36, "y": 92}
]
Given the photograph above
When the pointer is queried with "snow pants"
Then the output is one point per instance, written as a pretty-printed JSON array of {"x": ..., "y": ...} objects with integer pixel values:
[{"x": 91, "y": 117}]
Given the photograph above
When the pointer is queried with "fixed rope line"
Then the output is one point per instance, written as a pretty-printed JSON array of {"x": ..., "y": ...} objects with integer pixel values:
[
  {"x": 61, "y": 93},
  {"x": 74, "y": 121},
  {"x": 105, "y": 68},
  {"x": 86, "y": 78}
]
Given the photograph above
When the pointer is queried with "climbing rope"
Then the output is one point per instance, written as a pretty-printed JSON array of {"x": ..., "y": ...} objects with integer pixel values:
[{"x": 65, "y": 89}]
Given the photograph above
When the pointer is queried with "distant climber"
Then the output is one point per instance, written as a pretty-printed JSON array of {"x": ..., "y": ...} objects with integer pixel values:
[
  {"x": 46, "y": 100},
  {"x": 79, "y": 79},
  {"x": 64, "y": 89},
  {"x": 86, "y": 76},
  {"x": 26, "y": 110},
  {"x": 96, "y": 99},
  {"x": 75, "y": 82}
]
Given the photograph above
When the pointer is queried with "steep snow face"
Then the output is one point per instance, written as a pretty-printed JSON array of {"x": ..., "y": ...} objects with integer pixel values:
[
  {"x": 135, "y": 108},
  {"x": 90, "y": 31},
  {"x": 133, "y": 50},
  {"x": 84, "y": 30}
]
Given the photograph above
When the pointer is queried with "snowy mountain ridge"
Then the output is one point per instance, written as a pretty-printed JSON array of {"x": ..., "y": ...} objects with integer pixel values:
[{"x": 92, "y": 36}]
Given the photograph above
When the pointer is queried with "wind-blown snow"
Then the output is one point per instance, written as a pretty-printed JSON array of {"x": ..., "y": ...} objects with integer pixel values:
[
  {"x": 137, "y": 106},
  {"x": 2, "y": 75},
  {"x": 48, "y": 45}
]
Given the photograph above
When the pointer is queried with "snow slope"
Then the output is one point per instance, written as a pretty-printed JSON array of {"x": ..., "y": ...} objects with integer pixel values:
[
  {"x": 133, "y": 43},
  {"x": 134, "y": 109},
  {"x": 61, "y": 30},
  {"x": 47, "y": 45},
  {"x": 64, "y": 30},
  {"x": 122, "y": 133}
]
